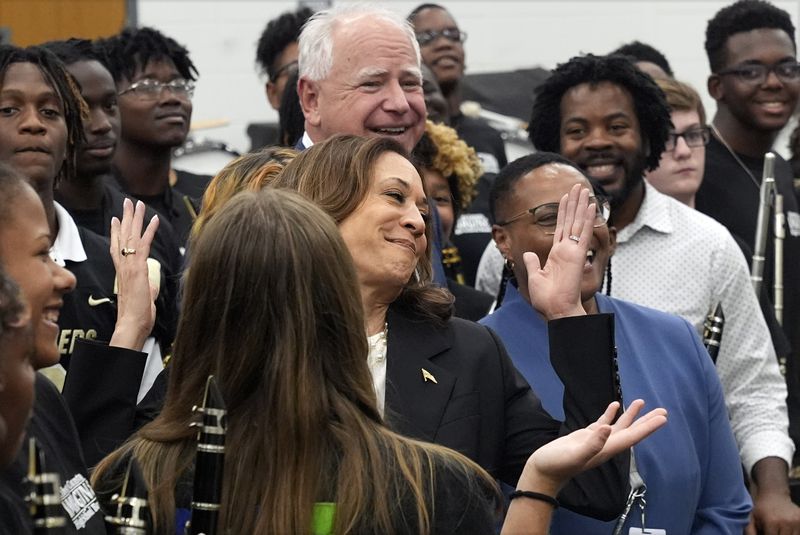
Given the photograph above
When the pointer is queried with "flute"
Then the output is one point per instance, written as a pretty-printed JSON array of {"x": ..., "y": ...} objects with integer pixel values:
[
  {"x": 44, "y": 498},
  {"x": 209, "y": 463},
  {"x": 712, "y": 330},
  {"x": 765, "y": 193},
  {"x": 133, "y": 513},
  {"x": 780, "y": 236}
]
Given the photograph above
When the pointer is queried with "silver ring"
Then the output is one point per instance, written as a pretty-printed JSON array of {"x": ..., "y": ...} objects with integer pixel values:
[
  {"x": 127, "y": 251},
  {"x": 574, "y": 238}
]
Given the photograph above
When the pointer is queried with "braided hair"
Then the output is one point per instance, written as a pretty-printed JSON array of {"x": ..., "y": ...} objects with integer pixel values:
[{"x": 56, "y": 75}]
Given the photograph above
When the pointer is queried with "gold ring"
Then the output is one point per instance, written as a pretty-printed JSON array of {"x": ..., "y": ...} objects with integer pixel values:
[
  {"x": 574, "y": 238},
  {"x": 127, "y": 251}
]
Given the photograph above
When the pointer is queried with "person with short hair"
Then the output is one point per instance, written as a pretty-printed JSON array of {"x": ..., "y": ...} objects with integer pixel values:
[
  {"x": 155, "y": 81},
  {"x": 276, "y": 52},
  {"x": 659, "y": 358},
  {"x": 647, "y": 59},
  {"x": 755, "y": 82},
  {"x": 441, "y": 43}
]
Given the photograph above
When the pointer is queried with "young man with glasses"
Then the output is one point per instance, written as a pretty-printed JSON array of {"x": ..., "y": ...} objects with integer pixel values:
[
  {"x": 755, "y": 80},
  {"x": 155, "y": 84}
]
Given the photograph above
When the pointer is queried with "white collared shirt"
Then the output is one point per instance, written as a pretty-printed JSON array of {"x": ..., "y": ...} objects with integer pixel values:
[
  {"x": 376, "y": 360},
  {"x": 675, "y": 259},
  {"x": 307, "y": 140},
  {"x": 67, "y": 244}
]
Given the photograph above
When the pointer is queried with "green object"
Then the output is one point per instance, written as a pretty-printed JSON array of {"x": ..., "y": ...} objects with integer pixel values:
[{"x": 322, "y": 518}]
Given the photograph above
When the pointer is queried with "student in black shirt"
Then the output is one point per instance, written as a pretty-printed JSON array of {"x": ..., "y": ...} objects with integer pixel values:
[{"x": 155, "y": 83}]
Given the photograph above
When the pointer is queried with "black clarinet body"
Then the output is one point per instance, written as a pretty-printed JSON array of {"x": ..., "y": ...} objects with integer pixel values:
[
  {"x": 451, "y": 261},
  {"x": 712, "y": 331},
  {"x": 44, "y": 497},
  {"x": 209, "y": 463},
  {"x": 132, "y": 515}
]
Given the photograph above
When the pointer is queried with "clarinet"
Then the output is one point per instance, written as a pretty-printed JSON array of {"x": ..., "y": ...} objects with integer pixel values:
[
  {"x": 451, "y": 261},
  {"x": 132, "y": 514},
  {"x": 765, "y": 193},
  {"x": 209, "y": 463},
  {"x": 44, "y": 498},
  {"x": 712, "y": 331}
]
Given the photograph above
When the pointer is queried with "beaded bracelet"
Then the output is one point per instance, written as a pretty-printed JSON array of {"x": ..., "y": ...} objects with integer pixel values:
[{"x": 534, "y": 496}]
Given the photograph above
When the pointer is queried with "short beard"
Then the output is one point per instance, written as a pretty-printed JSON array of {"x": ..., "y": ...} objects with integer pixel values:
[{"x": 632, "y": 181}]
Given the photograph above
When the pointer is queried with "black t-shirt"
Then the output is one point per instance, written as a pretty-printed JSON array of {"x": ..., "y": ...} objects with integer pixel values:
[
  {"x": 731, "y": 196},
  {"x": 486, "y": 141},
  {"x": 55, "y": 433}
]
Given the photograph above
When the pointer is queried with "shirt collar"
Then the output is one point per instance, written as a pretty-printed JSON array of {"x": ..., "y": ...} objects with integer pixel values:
[
  {"x": 307, "y": 140},
  {"x": 653, "y": 213},
  {"x": 67, "y": 245}
]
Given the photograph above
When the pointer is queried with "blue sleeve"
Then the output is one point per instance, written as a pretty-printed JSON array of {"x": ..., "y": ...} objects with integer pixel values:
[{"x": 725, "y": 504}]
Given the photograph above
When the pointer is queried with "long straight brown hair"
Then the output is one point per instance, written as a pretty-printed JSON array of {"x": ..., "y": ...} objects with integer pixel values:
[{"x": 271, "y": 308}]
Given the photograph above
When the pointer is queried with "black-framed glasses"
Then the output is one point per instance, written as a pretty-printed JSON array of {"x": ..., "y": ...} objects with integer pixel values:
[
  {"x": 694, "y": 137},
  {"x": 787, "y": 72},
  {"x": 453, "y": 34},
  {"x": 545, "y": 216},
  {"x": 288, "y": 69},
  {"x": 149, "y": 89}
]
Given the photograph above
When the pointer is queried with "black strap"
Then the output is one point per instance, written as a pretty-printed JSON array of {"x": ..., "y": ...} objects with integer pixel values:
[{"x": 534, "y": 496}]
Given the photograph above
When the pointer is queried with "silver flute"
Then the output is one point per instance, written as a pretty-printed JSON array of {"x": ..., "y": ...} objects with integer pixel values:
[{"x": 769, "y": 199}]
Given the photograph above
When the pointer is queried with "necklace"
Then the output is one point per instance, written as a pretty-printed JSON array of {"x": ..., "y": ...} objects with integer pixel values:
[{"x": 735, "y": 156}]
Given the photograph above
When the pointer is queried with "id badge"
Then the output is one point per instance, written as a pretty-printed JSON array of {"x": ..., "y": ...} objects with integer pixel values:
[{"x": 647, "y": 531}]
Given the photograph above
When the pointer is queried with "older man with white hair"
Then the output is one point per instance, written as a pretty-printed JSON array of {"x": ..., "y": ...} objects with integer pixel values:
[{"x": 360, "y": 74}]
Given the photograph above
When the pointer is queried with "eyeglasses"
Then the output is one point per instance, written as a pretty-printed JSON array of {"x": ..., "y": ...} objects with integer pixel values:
[
  {"x": 288, "y": 69},
  {"x": 695, "y": 137},
  {"x": 149, "y": 89},
  {"x": 453, "y": 34},
  {"x": 545, "y": 216},
  {"x": 756, "y": 74}
]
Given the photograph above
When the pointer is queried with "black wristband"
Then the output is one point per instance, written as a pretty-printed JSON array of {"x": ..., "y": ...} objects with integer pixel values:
[{"x": 534, "y": 496}]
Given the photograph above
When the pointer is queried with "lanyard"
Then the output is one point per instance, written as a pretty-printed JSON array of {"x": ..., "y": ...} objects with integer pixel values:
[{"x": 635, "y": 496}]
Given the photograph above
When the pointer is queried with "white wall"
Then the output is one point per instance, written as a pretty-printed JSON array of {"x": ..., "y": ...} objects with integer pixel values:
[{"x": 222, "y": 35}]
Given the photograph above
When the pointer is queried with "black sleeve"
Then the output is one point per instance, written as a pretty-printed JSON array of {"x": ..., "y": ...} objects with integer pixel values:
[
  {"x": 583, "y": 354},
  {"x": 100, "y": 390},
  {"x": 153, "y": 401}
]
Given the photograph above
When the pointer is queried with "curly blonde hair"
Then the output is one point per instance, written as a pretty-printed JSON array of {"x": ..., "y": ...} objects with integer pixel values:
[{"x": 452, "y": 157}]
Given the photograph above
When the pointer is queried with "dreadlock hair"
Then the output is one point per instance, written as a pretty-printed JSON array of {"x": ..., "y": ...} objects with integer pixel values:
[
  {"x": 638, "y": 51},
  {"x": 278, "y": 34},
  {"x": 649, "y": 104},
  {"x": 743, "y": 16},
  {"x": 74, "y": 50},
  {"x": 421, "y": 7},
  {"x": 56, "y": 75},
  {"x": 132, "y": 49}
]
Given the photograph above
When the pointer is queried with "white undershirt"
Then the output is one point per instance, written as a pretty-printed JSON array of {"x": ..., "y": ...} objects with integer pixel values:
[{"x": 376, "y": 360}]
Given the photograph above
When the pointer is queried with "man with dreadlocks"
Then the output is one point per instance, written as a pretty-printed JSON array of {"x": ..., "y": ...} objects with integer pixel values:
[
  {"x": 155, "y": 83},
  {"x": 613, "y": 121}
]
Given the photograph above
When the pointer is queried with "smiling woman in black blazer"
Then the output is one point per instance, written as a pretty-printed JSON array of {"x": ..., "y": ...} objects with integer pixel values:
[{"x": 439, "y": 378}]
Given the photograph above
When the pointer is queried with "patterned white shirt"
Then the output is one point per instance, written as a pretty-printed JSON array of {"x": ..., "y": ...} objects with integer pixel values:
[
  {"x": 675, "y": 259},
  {"x": 376, "y": 360}
]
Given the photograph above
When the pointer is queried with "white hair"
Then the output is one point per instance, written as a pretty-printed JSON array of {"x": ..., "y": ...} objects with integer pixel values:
[{"x": 315, "y": 45}]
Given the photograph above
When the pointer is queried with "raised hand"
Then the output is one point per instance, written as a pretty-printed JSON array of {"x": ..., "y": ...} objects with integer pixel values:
[
  {"x": 555, "y": 289},
  {"x": 130, "y": 248}
]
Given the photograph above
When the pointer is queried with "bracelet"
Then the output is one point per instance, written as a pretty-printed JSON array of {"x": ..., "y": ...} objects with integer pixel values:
[{"x": 534, "y": 496}]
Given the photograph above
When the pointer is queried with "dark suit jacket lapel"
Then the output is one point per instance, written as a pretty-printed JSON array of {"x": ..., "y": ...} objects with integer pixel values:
[{"x": 414, "y": 406}]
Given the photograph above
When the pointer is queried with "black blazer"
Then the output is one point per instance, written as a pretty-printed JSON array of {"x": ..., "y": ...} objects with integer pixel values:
[{"x": 481, "y": 406}]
